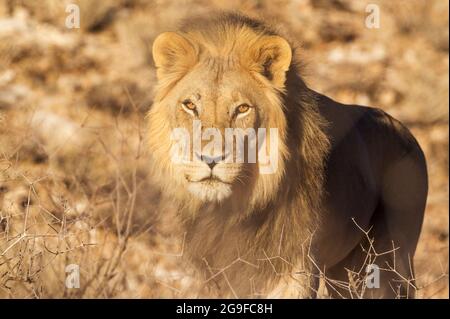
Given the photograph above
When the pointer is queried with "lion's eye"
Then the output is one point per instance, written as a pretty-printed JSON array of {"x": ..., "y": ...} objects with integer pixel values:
[
  {"x": 189, "y": 106},
  {"x": 241, "y": 109}
]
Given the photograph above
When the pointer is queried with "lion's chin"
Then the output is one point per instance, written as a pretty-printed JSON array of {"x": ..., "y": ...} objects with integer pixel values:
[{"x": 210, "y": 191}]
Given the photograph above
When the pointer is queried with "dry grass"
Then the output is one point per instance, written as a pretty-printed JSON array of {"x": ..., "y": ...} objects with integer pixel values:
[{"x": 73, "y": 181}]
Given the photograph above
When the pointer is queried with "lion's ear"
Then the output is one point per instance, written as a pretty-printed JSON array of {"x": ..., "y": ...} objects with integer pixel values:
[
  {"x": 173, "y": 54},
  {"x": 272, "y": 55}
]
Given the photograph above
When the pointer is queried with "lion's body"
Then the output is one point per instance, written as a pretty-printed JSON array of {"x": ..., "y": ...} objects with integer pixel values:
[
  {"x": 342, "y": 170},
  {"x": 376, "y": 175}
]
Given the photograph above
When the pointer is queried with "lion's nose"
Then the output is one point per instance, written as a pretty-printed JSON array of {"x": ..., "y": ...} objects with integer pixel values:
[{"x": 211, "y": 161}]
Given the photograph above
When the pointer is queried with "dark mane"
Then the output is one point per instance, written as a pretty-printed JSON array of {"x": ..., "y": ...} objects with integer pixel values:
[{"x": 222, "y": 20}]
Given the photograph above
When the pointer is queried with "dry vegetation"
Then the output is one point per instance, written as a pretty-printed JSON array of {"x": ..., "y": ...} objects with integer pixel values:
[{"x": 73, "y": 180}]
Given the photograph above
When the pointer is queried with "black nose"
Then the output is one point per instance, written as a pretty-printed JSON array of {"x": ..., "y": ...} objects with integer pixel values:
[
  {"x": 209, "y": 160},
  {"x": 211, "y": 165}
]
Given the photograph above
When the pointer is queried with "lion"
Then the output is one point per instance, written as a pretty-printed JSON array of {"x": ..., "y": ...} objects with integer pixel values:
[{"x": 349, "y": 188}]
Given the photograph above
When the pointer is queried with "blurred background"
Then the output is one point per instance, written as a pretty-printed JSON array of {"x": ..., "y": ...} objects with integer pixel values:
[{"x": 73, "y": 181}]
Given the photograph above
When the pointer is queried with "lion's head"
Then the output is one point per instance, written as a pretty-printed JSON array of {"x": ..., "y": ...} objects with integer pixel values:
[{"x": 215, "y": 81}]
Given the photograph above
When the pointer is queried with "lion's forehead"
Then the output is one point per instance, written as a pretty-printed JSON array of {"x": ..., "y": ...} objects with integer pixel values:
[{"x": 205, "y": 88}]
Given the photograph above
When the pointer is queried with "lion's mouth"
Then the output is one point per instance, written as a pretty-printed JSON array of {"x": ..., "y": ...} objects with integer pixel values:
[{"x": 211, "y": 180}]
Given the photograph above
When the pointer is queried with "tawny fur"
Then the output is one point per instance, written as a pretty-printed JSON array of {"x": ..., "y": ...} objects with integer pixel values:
[{"x": 249, "y": 244}]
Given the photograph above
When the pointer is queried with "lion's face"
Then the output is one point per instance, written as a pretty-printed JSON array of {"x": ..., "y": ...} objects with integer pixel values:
[
  {"x": 234, "y": 101},
  {"x": 216, "y": 120}
]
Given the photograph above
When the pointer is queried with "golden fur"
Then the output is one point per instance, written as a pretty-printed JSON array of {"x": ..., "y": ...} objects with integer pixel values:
[{"x": 266, "y": 231}]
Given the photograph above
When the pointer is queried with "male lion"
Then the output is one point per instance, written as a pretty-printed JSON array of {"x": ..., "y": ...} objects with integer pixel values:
[{"x": 349, "y": 189}]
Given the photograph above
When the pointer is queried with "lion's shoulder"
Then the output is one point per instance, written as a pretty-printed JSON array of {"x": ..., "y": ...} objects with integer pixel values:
[{"x": 378, "y": 130}]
